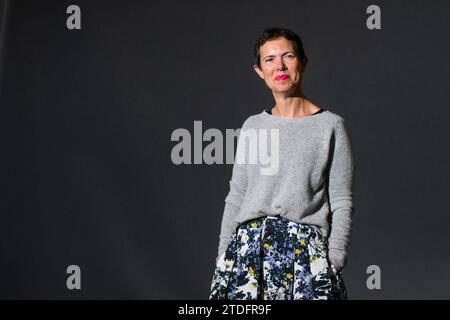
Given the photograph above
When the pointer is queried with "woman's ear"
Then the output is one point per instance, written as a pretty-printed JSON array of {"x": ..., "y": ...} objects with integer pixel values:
[{"x": 258, "y": 71}]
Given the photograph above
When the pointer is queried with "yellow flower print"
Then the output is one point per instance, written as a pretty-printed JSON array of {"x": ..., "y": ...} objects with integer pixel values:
[
  {"x": 297, "y": 251},
  {"x": 266, "y": 245},
  {"x": 313, "y": 258},
  {"x": 302, "y": 242},
  {"x": 289, "y": 275},
  {"x": 253, "y": 225},
  {"x": 251, "y": 271}
]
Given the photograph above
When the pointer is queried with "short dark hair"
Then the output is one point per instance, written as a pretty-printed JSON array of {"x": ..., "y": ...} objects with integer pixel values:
[{"x": 274, "y": 33}]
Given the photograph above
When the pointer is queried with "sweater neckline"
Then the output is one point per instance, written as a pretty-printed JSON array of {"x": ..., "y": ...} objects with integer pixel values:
[{"x": 266, "y": 112}]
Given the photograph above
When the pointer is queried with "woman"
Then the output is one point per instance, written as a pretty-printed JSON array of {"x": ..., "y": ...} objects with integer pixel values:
[{"x": 286, "y": 235}]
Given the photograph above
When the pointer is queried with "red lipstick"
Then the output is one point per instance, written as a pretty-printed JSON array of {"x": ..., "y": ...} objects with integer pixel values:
[{"x": 282, "y": 77}]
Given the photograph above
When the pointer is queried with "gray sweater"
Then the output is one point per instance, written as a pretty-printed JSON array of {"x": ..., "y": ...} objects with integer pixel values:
[{"x": 310, "y": 184}]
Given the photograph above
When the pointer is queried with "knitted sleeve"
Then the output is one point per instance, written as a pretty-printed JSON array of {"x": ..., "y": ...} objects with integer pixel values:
[
  {"x": 236, "y": 194},
  {"x": 340, "y": 191}
]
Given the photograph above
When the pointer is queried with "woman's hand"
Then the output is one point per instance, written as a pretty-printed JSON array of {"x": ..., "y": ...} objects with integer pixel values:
[{"x": 335, "y": 270}]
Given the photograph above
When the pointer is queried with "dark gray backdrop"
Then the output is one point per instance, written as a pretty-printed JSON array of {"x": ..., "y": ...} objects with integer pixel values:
[{"x": 87, "y": 115}]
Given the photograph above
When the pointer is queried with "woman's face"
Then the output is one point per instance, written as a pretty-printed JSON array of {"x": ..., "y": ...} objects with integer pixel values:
[{"x": 278, "y": 57}]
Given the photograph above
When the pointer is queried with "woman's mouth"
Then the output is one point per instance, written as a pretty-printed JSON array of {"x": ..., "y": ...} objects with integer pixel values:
[{"x": 281, "y": 77}]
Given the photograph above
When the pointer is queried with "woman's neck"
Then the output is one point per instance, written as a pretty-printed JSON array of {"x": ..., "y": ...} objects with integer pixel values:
[{"x": 297, "y": 107}]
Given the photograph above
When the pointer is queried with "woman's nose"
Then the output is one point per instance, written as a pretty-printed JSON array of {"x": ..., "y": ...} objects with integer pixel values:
[{"x": 281, "y": 65}]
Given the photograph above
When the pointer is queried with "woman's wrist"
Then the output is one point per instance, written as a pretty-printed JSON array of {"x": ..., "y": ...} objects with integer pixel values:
[
  {"x": 334, "y": 269},
  {"x": 337, "y": 258}
]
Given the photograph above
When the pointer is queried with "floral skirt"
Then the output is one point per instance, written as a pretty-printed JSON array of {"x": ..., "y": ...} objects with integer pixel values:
[{"x": 273, "y": 258}]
